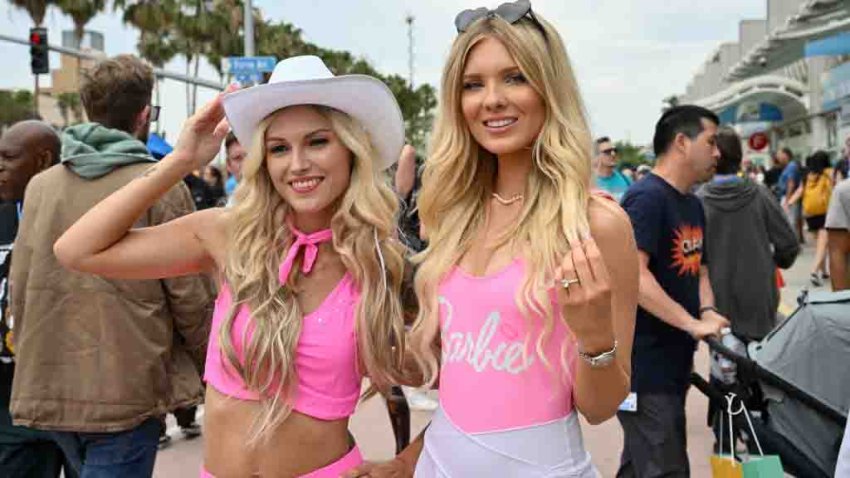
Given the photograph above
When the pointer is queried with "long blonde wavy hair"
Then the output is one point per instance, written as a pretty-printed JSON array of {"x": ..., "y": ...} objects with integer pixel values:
[
  {"x": 459, "y": 175},
  {"x": 258, "y": 241}
]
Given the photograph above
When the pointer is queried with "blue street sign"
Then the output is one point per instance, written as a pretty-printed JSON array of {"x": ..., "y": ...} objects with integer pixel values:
[
  {"x": 251, "y": 64},
  {"x": 249, "y": 78}
]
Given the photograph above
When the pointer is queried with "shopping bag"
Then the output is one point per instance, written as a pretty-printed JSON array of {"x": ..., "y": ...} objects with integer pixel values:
[
  {"x": 725, "y": 466},
  {"x": 761, "y": 465},
  {"x": 765, "y": 466}
]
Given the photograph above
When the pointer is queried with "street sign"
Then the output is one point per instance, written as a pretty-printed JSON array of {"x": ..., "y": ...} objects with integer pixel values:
[
  {"x": 250, "y": 64},
  {"x": 249, "y": 78}
]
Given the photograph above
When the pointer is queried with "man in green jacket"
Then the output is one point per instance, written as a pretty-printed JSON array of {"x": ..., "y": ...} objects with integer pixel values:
[{"x": 100, "y": 361}]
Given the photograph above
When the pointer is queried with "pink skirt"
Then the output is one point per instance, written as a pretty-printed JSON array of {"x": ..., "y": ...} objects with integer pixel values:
[{"x": 351, "y": 460}]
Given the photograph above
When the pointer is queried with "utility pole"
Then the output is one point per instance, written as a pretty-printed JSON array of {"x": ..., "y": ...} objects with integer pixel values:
[
  {"x": 249, "y": 29},
  {"x": 409, "y": 19}
]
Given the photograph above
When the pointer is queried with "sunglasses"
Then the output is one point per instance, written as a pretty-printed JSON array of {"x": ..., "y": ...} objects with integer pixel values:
[
  {"x": 609, "y": 152},
  {"x": 510, "y": 12},
  {"x": 154, "y": 114}
]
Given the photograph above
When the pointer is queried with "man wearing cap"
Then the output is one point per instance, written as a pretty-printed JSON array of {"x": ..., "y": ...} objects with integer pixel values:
[{"x": 121, "y": 353}]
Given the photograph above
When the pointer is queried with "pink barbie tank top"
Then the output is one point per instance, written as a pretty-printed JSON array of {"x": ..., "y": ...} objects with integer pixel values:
[
  {"x": 491, "y": 377},
  {"x": 326, "y": 354}
]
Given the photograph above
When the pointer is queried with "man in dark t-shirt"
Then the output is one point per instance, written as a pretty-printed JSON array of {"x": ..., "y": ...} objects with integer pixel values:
[{"x": 676, "y": 301}]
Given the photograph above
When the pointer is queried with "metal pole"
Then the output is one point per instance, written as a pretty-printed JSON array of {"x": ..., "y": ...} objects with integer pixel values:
[
  {"x": 35, "y": 97},
  {"x": 157, "y": 71},
  {"x": 249, "y": 29},
  {"x": 409, "y": 21}
]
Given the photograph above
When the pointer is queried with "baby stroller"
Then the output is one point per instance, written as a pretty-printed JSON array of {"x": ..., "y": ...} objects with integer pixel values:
[{"x": 796, "y": 385}]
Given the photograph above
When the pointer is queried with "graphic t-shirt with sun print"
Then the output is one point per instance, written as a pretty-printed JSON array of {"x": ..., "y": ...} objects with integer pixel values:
[{"x": 668, "y": 227}]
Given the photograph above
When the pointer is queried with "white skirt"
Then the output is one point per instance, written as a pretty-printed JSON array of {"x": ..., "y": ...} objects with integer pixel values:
[{"x": 549, "y": 450}]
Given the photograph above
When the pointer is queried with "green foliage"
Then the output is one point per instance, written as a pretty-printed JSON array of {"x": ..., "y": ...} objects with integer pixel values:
[
  {"x": 194, "y": 28},
  {"x": 15, "y": 106},
  {"x": 631, "y": 156},
  {"x": 70, "y": 105},
  {"x": 35, "y": 8},
  {"x": 81, "y": 12},
  {"x": 283, "y": 40}
]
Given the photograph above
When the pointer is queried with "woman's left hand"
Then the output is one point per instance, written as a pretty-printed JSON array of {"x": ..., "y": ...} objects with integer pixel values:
[{"x": 584, "y": 293}]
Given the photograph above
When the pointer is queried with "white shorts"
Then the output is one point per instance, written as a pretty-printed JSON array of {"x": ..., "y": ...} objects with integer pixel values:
[{"x": 549, "y": 450}]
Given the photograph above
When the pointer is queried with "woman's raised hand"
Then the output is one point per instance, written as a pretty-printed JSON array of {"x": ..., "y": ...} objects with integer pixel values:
[{"x": 202, "y": 134}]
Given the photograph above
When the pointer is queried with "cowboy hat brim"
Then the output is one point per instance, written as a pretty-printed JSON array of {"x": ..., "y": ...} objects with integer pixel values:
[{"x": 366, "y": 99}]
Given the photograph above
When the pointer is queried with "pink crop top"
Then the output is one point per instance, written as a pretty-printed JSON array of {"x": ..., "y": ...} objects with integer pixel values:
[
  {"x": 325, "y": 357},
  {"x": 487, "y": 383}
]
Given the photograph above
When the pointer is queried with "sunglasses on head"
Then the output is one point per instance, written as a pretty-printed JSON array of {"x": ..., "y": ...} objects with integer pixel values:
[{"x": 510, "y": 12}]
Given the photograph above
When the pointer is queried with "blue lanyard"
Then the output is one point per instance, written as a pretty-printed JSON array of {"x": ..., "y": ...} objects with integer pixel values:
[{"x": 20, "y": 206}]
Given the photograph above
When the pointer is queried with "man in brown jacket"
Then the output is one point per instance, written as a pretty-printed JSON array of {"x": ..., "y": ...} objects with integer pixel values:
[{"x": 99, "y": 361}]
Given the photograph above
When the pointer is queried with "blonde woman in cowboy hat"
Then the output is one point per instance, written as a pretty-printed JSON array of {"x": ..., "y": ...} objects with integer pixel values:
[
  {"x": 310, "y": 272},
  {"x": 528, "y": 286}
]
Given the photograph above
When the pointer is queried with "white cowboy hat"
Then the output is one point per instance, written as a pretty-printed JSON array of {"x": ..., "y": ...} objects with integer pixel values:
[{"x": 305, "y": 80}]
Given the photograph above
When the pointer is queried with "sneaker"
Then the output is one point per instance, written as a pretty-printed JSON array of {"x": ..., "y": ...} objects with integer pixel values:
[
  {"x": 193, "y": 430},
  {"x": 815, "y": 280},
  {"x": 419, "y": 400},
  {"x": 164, "y": 441}
]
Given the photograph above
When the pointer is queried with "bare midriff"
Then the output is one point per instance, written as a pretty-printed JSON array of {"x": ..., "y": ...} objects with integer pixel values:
[{"x": 297, "y": 446}]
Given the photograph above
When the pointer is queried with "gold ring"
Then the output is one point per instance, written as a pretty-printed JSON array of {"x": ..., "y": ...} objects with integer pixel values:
[{"x": 566, "y": 283}]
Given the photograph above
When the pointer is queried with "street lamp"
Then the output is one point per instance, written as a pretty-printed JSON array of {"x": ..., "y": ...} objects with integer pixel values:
[{"x": 249, "y": 29}]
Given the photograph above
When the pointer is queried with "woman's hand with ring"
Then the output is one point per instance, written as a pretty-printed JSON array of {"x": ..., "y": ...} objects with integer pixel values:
[{"x": 585, "y": 296}]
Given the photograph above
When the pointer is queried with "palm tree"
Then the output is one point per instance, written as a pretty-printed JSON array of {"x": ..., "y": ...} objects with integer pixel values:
[
  {"x": 155, "y": 20},
  {"x": 81, "y": 12},
  {"x": 669, "y": 102},
  {"x": 69, "y": 103},
  {"x": 35, "y": 8},
  {"x": 195, "y": 30},
  {"x": 227, "y": 21}
]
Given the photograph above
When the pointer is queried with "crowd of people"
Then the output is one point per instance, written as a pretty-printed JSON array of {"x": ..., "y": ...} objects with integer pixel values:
[{"x": 516, "y": 264}]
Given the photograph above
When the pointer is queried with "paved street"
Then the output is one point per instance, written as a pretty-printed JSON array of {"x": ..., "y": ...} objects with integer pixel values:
[{"x": 371, "y": 427}]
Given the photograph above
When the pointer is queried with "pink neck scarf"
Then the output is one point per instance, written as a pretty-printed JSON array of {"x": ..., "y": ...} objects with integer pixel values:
[{"x": 311, "y": 251}]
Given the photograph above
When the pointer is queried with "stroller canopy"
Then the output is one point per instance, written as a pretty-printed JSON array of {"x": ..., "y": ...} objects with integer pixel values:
[{"x": 810, "y": 350}]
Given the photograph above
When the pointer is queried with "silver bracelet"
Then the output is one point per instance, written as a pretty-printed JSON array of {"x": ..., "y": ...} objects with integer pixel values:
[{"x": 602, "y": 360}]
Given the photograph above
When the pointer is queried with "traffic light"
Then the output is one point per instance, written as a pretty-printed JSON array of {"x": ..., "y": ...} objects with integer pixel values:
[{"x": 39, "y": 55}]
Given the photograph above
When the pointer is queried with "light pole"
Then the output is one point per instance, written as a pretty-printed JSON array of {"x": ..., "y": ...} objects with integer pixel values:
[
  {"x": 409, "y": 20},
  {"x": 249, "y": 29}
]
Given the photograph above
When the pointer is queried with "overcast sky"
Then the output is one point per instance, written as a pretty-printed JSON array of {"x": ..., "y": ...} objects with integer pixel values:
[{"x": 628, "y": 54}]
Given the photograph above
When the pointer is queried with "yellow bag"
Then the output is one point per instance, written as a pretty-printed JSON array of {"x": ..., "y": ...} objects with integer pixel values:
[
  {"x": 816, "y": 193},
  {"x": 725, "y": 466}
]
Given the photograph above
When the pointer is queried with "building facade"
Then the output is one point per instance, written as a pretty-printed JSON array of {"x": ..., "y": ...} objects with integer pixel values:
[{"x": 785, "y": 82}]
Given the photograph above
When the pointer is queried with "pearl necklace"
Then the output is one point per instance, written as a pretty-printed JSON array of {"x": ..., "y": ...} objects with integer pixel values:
[{"x": 508, "y": 202}]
